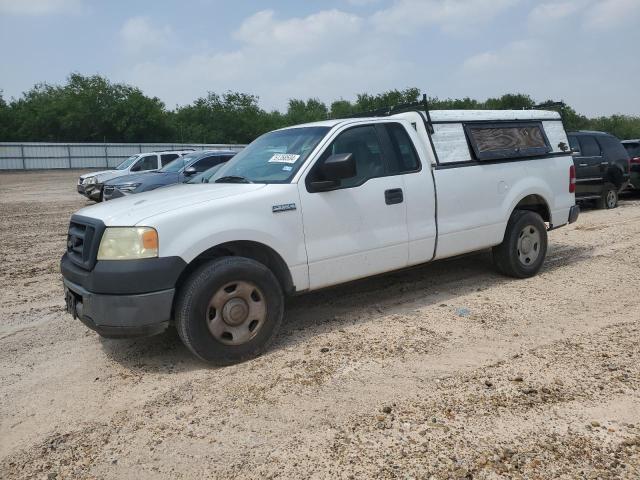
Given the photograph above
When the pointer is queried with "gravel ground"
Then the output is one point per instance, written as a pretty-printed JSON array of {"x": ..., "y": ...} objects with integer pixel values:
[{"x": 444, "y": 371}]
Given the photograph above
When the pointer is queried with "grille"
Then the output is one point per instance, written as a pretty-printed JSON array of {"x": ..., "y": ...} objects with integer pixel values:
[{"x": 82, "y": 242}]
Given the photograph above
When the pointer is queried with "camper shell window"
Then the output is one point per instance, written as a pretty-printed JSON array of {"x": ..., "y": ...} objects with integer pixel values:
[{"x": 504, "y": 140}]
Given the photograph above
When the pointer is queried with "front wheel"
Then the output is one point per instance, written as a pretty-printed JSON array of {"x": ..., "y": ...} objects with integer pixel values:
[
  {"x": 229, "y": 310},
  {"x": 609, "y": 198},
  {"x": 524, "y": 248}
]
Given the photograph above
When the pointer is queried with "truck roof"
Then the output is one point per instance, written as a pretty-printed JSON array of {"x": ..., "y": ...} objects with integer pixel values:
[
  {"x": 471, "y": 115},
  {"x": 457, "y": 116}
]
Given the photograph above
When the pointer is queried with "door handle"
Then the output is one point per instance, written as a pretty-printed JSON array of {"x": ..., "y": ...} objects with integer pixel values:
[
  {"x": 583, "y": 165},
  {"x": 393, "y": 196},
  {"x": 604, "y": 163}
]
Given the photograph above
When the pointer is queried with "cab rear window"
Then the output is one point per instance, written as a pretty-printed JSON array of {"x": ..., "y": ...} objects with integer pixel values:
[{"x": 507, "y": 140}]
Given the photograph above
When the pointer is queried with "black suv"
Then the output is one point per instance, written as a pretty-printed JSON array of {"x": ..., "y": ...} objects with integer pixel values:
[{"x": 602, "y": 167}]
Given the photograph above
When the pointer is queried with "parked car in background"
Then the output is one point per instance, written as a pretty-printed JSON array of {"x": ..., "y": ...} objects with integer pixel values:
[
  {"x": 90, "y": 184},
  {"x": 602, "y": 167},
  {"x": 316, "y": 205},
  {"x": 633, "y": 149},
  {"x": 179, "y": 170}
]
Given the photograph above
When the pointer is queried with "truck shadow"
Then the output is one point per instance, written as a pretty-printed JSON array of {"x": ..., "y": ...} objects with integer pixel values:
[
  {"x": 353, "y": 303},
  {"x": 438, "y": 283}
]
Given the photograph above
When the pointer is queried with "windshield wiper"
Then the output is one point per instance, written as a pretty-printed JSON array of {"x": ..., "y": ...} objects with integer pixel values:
[{"x": 233, "y": 179}]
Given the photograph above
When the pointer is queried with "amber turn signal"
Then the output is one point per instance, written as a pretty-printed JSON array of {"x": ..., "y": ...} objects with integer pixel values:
[{"x": 150, "y": 239}]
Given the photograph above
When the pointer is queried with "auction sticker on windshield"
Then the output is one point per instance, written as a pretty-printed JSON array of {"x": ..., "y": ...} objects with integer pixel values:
[{"x": 284, "y": 158}]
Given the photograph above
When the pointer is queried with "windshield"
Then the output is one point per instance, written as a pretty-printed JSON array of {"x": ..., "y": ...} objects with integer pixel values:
[
  {"x": 127, "y": 163},
  {"x": 272, "y": 158}
]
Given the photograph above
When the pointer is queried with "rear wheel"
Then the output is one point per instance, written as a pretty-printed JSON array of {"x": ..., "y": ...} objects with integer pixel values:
[
  {"x": 609, "y": 198},
  {"x": 524, "y": 248},
  {"x": 229, "y": 310}
]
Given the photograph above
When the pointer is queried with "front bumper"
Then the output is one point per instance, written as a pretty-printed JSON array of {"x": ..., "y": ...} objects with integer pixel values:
[
  {"x": 122, "y": 298},
  {"x": 93, "y": 191},
  {"x": 120, "y": 316}
]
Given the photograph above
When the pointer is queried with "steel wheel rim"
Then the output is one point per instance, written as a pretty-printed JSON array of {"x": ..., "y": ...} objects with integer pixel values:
[
  {"x": 236, "y": 313},
  {"x": 529, "y": 244},
  {"x": 611, "y": 198}
]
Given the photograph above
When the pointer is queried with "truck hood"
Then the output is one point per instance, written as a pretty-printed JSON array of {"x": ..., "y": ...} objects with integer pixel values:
[{"x": 133, "y": 209}]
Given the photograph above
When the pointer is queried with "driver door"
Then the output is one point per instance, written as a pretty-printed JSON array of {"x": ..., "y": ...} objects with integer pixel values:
[{"x": 359, "y": 228}]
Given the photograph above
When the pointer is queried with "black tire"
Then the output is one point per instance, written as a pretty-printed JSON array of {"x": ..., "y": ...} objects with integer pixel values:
[
  {"x": 510, "y": 257},
  {"x": 192, "y": 309},
  {"x": 609, "y": 198}
]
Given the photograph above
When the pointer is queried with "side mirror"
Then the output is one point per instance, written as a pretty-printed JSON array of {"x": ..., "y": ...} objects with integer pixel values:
[
  {"x": 190, "y": 171},
  {"x": 135, "y": 168},
  {"x": 335, "y": 168}
]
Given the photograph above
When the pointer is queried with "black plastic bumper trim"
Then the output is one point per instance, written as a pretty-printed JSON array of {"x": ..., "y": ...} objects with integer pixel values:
[
  {"x": 122, "y": 315},
  {"x": 125, "y": 277}
]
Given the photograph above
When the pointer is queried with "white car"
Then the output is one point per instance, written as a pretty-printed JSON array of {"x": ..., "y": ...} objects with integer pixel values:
[
  {"x": 91, "y": 184},
  {"x": 317, "y": 205}
]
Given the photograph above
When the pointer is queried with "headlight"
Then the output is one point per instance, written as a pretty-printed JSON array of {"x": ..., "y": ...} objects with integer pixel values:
[
  {"x": 127, "y": 187},
  {"x": 128, "y": 243},
  {"x": 91, "y": 180}
]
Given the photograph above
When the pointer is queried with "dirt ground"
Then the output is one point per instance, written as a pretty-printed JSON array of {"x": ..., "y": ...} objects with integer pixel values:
[{"x": 445, "y": 371}]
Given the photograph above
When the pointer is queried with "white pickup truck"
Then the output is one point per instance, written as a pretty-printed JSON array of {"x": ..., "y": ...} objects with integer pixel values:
[{"x": 317, "y": 205}]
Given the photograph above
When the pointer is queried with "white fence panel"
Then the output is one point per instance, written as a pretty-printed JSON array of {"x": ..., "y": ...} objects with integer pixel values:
[
  {"x": 45, "y": 163},
  {"x": 31, "y": 156}
]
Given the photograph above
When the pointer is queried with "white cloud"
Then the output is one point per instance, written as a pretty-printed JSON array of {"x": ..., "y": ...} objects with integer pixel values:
[
  {"x": 404, "y": 16},
  {"x": 333, "y": 54},
  {"x": 328, "y": 54},
  {"x": 519, "y": 55},
  {"x": 275, "y": 60},
  {"x": 362, "y": 3},
  {"x": 39, "y": 7},
  {"x": 590, "y": 14},
  {"x": 139, "y": 35},
  {"x": 546, "y": 14},
  {"x": 606, "y": 14},
  {"x": 317, "y": 31}
]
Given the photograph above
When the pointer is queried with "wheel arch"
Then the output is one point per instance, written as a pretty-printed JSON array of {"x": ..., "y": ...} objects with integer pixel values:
[
  {"x": 534, "y": 203},
  {"x": 249, "y": 249}
]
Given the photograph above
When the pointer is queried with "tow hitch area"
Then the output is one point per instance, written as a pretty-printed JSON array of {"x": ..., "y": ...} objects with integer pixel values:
[{"x": 72, "y": 303}]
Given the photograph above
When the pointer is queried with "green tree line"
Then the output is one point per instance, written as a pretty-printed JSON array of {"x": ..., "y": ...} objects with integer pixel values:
[{"x": 94, "y": 109}]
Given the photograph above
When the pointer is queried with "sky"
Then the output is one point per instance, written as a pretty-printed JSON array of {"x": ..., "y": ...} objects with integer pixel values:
[{"x": 584, "y": 52}]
